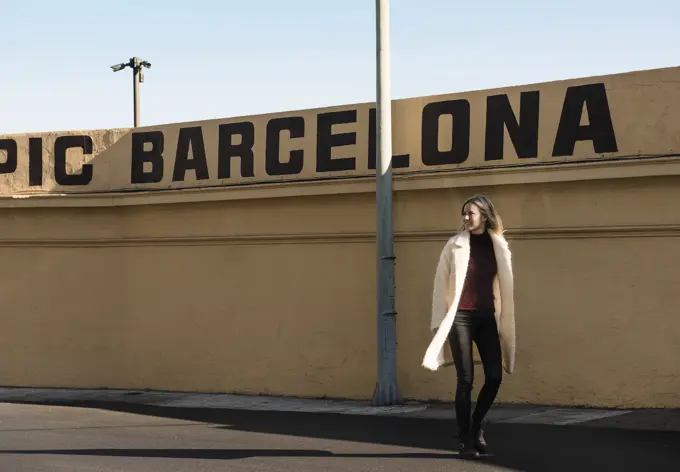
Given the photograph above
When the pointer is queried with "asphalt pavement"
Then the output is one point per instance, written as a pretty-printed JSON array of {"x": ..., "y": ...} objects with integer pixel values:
[{"x": 107, "y": 437}]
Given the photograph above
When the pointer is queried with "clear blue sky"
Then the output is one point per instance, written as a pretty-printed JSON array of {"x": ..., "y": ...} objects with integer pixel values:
[{"x": 215, "y": 59}]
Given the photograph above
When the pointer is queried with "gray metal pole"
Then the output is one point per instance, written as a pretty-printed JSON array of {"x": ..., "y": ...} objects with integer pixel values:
[
  {"x": 386, "y": 390},
  {"x": 135, "y": 84},
  {"x": 137, "y": 78}
]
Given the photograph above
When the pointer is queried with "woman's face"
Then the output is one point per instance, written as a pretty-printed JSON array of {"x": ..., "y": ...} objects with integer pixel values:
[{"x": 472, "y": 218}]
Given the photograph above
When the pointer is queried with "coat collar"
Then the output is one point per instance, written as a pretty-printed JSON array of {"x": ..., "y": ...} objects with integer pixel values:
[{"x": 462, "y": 239}]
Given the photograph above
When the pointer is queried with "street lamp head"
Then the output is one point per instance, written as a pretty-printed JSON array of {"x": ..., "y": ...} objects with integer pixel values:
[{"x": 118, "y": 67}]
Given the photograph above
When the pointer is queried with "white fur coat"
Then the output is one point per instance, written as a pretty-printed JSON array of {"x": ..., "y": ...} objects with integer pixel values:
[{"x": 448, "y": 285}]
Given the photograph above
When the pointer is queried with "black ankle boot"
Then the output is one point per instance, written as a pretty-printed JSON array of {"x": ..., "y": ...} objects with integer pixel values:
[
  {"x": 477, "y": 433},
  {"x": 467, "y": 446}
]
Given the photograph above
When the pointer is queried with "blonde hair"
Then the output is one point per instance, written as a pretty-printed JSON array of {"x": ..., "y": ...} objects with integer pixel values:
[{"x": 488, "y": 212}]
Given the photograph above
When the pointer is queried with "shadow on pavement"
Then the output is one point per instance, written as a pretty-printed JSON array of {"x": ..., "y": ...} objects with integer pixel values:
[
  {"x": 225, "y": 454},
  {"x": 525, "y": 447}
]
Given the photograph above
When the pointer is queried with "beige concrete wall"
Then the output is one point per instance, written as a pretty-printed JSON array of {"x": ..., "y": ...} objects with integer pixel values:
[{"x": 271, "y": 289}]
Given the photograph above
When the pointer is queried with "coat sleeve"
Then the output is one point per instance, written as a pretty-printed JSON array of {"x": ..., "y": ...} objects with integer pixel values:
[
  {"x": 507, "y": 318},
  {"x": 440, "y": 295}
]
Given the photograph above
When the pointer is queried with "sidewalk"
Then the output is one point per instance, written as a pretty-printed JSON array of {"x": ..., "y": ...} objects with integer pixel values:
[{"x": 644, "y": 419}]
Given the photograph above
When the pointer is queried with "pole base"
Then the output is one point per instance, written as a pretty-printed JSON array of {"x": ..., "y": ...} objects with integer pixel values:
[{"x": 386, "y": 394}]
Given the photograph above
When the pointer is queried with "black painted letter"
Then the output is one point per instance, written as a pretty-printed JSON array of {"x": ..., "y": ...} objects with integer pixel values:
[
  {"x": 10, "y": 148},
  {"x": 153, "y": 156},
  {"x": 35, "y": 162},
  {"x": 296, "y": 126},
  {"x": 400, "y": 161},
  {"x": 600, "y": 129},
  {"x": 190, "y": 136},
  {"x": 61, "y": 145},
  {"x": 524, "y": 134},
  {"x": 460, "y": 132},
  {"x": 227, "y": 150},
  {"x": 326, "y": 140}
]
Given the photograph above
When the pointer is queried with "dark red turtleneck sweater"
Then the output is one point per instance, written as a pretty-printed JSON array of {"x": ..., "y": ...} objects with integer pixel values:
[{"x": 478, "y": 287}]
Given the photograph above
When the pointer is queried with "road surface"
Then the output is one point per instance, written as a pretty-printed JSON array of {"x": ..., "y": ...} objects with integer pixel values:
[{"x": 137, "y": 438}]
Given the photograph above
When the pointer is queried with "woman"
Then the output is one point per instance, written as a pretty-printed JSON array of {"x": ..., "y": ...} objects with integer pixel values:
[{"x": 473, "y": 302}]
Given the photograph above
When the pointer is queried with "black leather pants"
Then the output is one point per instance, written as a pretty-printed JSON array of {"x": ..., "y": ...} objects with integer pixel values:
[{"x": 478, "y": 327}]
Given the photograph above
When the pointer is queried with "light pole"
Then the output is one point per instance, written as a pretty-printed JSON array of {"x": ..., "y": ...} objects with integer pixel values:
[
  {"x": 386, "y": 390},
  {"x": 137, "y": 78}
]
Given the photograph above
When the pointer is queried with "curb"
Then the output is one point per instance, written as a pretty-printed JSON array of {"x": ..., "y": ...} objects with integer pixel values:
[{"x": 500, "y": 413}]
